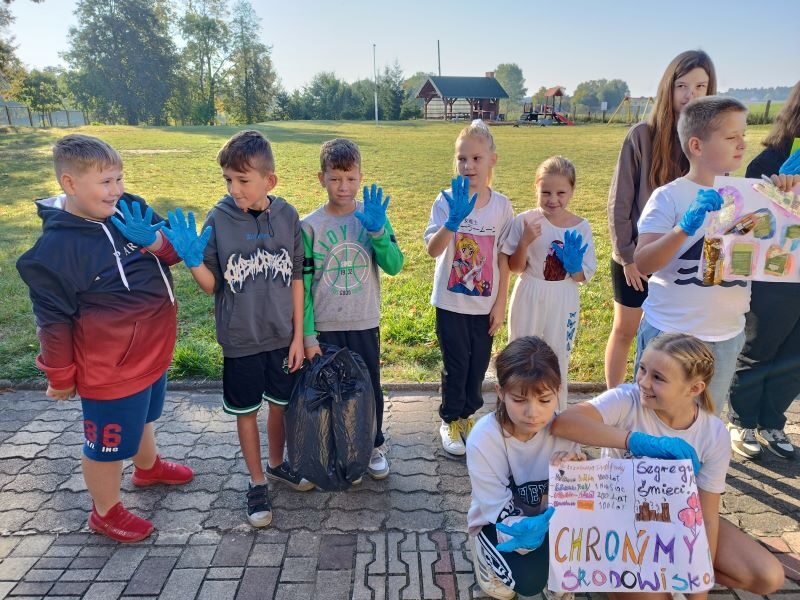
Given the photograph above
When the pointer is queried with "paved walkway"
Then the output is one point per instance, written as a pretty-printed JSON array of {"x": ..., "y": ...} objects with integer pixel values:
[{"x": 401, "y": 538}]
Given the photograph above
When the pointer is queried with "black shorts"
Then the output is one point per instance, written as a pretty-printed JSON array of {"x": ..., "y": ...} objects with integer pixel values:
[
  {"x": 250, "y": 380},
  {"x": 623, "y": 293}
]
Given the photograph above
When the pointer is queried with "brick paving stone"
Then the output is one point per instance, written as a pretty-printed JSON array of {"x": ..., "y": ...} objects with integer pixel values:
[
  {"x": 183, "y": 584},
  {"x": 105, "y": 591},
  {"x": 7, "y": 544},
  {"x": 88, "y": 562},
  {"x": 379, "y": 585},
  {"x": 360, "y": 589},
  {"x": 418, "y": 520},
  {"x": 43, "y": 574},
  {"x": 32, "y": 588},
  {"x": 69, "y": 588},
  {"x": 6, "y": 587},
  {"x": 53, "y": 563},
  {"x": 332, "y": 585},
  {"x": 196, "y": 557},
  {"x": 298, "y": 569},
  {"x": 336, "y": 551},
  {"x": 218, "y": 590},
  {"x": 150, "y": 576},
  {"x": 258, "y": 583},
  {"x": 205, "y": 538},
  {"x": 165, "y": 551},
  {"x": 79, "y": 574},
  {"x": 266, "y": 555},
  {"x": 414, "y": 589},
  {"x": 429, "y": 587},
  {"x": 351, "y": 520},
  {"x": 303, "y": 543},
  {"x": 33, "y": 545},
  {"x": 394, "y": 584},
  {"x": 792, "y": 538},
  {"x": 122, "y": 564},
  {"x": 62, "y": 551},
  {"x": 224, "y": 573},
  {"x": 14, "y": 569},
  {"x": 293, "y": 591},
  {"x": 233, "y": 550}
]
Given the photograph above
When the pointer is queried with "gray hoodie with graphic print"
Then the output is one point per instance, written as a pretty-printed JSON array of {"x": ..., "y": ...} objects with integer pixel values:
[{"x": 254, "y": 260}]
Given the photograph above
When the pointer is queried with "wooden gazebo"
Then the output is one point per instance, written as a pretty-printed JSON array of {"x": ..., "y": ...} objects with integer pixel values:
[{"x": 463, "y": 97}]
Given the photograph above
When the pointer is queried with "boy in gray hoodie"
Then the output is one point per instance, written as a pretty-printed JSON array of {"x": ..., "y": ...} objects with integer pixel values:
[{"x": 250, "y": 256}]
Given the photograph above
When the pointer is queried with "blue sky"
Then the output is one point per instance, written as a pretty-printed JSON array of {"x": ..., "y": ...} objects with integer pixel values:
[{"x": 557, "y": 43}]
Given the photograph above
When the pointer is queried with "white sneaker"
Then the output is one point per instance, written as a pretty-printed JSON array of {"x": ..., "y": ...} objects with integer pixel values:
[
  {"x": 451, "y": 438},
  {"x": 487, "y": 579},
  {"x": 378, "y": 464},
  {"x": 776, "y": 442},
  {"x": 557, "y": 595},
  {"x": 466, "y": 426},
  {"x": 744, "y": 442}
]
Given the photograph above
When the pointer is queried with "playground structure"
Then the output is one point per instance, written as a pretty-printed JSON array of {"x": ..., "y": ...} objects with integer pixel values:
[
  {"x": 462, "y": 98},
  {"x": 633, "y": 107},
  {"x": 546, "y": 113}
]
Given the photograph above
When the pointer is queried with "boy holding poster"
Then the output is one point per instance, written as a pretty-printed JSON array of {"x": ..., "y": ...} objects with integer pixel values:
[
  {"x": 508, "y": 456},
  {"x": 669, "y": 414}
]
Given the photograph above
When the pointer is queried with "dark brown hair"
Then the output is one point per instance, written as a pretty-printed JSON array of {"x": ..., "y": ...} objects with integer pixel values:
[
  {"x": 663, "y": 167},
  {"x": 787, "y": 123},
  {"x": 247, "y": 149},
  {"x": 529, "y": 365},
  {"x": 78, "y": 153},
  {"x": 340, "y": 154}
]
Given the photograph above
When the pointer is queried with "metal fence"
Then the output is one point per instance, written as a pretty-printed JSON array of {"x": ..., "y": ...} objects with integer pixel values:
[{"x": 25, "y": 117}]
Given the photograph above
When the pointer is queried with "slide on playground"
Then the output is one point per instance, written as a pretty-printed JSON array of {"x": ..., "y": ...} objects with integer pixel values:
[{"x": 562, "y": 119}]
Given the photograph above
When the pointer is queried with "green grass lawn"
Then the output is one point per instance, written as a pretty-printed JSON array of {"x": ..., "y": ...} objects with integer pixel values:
[{"x": 173, "y": 167}]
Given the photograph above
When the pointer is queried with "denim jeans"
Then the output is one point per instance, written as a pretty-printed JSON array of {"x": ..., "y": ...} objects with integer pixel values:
[{"x": 725, "y": 354}]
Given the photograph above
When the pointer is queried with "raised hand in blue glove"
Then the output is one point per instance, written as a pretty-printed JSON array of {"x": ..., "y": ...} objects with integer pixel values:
[
  {"x": 705, "y": 201},
  {"x": 459, "y": 202},
  {"x": 642, "y": 444},
  {"x": 137, "y": 227},
  {"x": 571, "y": 255},
  {"x": 791, "y": 166},
  {"x": 373, "y": 218},
  {"x": 527, "y": 533},
  {"x": 183, "y": 237}
]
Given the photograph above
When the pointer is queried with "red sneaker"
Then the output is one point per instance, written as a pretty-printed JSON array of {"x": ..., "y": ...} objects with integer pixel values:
[
  {"x": 162, "y": 472},
  {"x": 120, "y": 525}
]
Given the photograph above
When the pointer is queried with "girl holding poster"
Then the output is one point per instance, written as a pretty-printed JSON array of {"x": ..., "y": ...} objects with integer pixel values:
[
  {"x": 669, "y": 414},
  {"x": 508, "y": 457}
]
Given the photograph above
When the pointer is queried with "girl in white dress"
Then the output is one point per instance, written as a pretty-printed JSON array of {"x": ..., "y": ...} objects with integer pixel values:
[{"x": 553, "y": 250}]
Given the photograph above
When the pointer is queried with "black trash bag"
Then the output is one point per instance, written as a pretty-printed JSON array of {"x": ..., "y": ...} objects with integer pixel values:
[{"x": 330, "y": 420}]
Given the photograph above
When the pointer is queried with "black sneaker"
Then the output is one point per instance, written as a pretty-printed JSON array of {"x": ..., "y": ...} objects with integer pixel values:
[
  {"x": 259, "y": 510},
  {"x": 283, "y": 472},
  {"x": 744, "y": 442},
  {"x": 776, "y": 442}
]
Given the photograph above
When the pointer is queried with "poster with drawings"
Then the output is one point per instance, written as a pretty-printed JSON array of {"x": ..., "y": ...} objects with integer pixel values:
[
  {"x": 755, "y": 236},
  {"x": 627, "y": 525}
]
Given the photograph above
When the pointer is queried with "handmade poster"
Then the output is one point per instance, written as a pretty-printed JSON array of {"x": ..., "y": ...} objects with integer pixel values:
[
  {"x": 627, "y": 525},
  {"x": 754, "y": 236}
]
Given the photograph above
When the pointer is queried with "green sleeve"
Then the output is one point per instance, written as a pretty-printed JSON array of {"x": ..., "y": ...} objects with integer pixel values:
[
  {"x": 308, "y": 278},
  {"x": 387, "y": 252}
]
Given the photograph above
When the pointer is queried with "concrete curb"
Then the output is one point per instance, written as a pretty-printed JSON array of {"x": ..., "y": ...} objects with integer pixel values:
[{"x": 213, "y": 385}]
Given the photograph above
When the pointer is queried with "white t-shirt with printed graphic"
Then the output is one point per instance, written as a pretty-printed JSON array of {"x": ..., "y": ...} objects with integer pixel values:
[
  {"x": 621, "y": 407},
  {"x": 467, "y": 272},
  {"x": 677, "y": 300},
  {"x": 493, "y": 458},
  {"x": 542, "y": 263}
]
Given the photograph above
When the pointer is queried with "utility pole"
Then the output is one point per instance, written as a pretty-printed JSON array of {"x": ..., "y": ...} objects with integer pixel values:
[
  {"x": 375, "y": 75},
  {"x": 439, "y": 55}
]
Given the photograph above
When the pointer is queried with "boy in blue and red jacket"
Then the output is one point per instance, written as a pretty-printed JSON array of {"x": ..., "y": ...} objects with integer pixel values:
[{"x": 106, "y": 319}]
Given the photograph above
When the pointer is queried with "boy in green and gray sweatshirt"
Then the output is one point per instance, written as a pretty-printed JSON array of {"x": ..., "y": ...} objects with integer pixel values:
[{"x": 345, "y": 242}]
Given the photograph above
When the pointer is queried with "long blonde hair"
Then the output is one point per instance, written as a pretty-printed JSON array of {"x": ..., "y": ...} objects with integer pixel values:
[
  {"x": 480, "y": 130},
  {"x": 663, "y": 121},
  {"x": 694, "y": 357},
  {"x": 787, "y": 123}
]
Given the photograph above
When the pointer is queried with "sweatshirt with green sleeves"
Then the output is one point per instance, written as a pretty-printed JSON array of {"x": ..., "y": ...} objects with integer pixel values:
[{"x": 341, "y": 277}]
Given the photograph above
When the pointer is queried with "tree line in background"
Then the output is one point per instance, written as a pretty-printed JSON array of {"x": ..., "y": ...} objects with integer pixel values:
[{"x": 200, "y": 62}]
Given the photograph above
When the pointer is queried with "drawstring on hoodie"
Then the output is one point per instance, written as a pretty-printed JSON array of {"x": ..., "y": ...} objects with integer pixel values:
[{"x": 116, "y": 253}]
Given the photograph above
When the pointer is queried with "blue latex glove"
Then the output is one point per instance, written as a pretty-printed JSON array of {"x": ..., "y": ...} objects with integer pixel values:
[
  {"x": 641, "y": 444},
  {"x": 183, "y": 237},
  {"x": 527, "y": 533},
  {"x": 705, "y": 201},
  {"x": 137, "y": 227},
  {"x": 373, "y": 218},
  {"x": 459, "y": 202},
  {"x": 791, "y": 166},
  {"x": 571, "y": 255}
]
